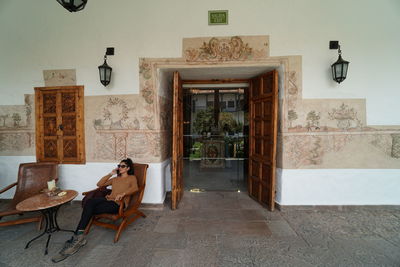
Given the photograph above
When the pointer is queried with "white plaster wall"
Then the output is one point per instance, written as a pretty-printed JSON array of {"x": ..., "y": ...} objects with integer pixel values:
[
  {"x": 338, "y": 187},
  {"x": 41, "y": 35},
  {"x": 84, "y": 177}
]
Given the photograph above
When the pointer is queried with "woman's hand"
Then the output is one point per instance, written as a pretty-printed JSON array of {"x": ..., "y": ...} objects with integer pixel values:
[
  {"x": 119, "y": 196},
  {"x": 114, "y": 171}
]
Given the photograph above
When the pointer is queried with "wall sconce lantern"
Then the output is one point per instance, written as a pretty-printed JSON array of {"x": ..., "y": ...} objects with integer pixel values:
[
  {"x": 73, "y": 5},
  {"x": 339, "y": 68},
  {"x": 105, "y": 70}
]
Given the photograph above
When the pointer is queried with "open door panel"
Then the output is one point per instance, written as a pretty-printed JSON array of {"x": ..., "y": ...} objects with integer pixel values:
[
  {"x": 177, "y": 142},
  {"x": 263, "y": 117}
]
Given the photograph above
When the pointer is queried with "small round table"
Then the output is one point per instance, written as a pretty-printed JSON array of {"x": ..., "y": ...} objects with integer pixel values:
[{"x": 48, "y": 206}]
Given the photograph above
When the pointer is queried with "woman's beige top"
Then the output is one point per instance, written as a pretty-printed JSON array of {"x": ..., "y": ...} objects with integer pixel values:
[{"x": 122, "y": 185}]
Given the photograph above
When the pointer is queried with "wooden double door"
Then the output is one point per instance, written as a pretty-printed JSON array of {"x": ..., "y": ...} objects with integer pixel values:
[{"x": 263, "y": 120}]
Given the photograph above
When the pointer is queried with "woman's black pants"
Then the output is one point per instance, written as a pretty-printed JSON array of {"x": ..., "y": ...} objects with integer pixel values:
[{"x": 96, "y": 206}]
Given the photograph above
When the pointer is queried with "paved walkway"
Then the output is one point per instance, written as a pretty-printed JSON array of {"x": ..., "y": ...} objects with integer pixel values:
[{"x": 223, "y": 229}]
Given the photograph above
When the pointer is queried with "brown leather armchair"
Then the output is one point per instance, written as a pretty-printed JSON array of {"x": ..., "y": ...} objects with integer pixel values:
[
  {"x": 32, "y": 178},
  {"x": 128, "y": 213}
]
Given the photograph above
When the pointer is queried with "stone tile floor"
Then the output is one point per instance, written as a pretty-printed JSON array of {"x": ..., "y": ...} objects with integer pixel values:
[{"x": 222, "y": 229}]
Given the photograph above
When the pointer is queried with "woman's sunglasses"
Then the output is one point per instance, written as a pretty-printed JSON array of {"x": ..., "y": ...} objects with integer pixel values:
[{"x": 121, "y": 166}]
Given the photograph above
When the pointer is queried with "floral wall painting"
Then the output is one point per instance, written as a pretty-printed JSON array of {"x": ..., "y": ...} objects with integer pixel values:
[
  {"x": 293, "y": 90},
  {"x": 313, "y": 120},
  {"x": 145, "y": 69},
  {"x": 122, "y": 126},
  {"x": 59, "y": 77},
  {"x": 114, "y": 114},
  {"x": 122, "y": 112},
  {"x": 328, "y": 115},
  {"x": 147, "y": 93},
  {"x": 346, "y": 117},
  {"x": 222, "y": 49}
]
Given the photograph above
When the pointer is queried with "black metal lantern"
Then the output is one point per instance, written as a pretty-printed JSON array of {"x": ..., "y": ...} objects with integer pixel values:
[
  {"x": 73, "y": 5},
  {"x": 340, "y": 67},
  {"x": 105, "y": 70}
]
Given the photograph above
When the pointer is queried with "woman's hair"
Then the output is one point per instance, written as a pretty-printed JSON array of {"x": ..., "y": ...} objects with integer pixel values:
[{"x": 128, "y": 163}]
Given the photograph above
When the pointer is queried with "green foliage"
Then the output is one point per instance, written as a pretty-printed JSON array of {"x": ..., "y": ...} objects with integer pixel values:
[
  {"x": 204, "y": 121},
  {"x": 226, "y": 122},
  {"x": 195, "y": 152},
  {"x": 240, "y": 149}
]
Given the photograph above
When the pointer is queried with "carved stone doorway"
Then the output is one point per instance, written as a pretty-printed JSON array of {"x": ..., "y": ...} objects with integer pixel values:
[{"x": 205, "y": 58}]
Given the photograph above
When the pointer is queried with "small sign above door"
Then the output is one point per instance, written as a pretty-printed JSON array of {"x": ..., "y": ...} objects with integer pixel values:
[{"x": 218, "y": 17}]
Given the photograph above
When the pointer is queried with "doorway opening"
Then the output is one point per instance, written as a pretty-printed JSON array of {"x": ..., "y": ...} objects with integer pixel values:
[
  {"x": 206, "y": 142},
  {"x": 215, "y": 137}
]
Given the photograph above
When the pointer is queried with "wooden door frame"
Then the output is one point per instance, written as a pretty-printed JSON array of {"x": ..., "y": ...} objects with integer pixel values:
[{"x": 177, "y": 142}]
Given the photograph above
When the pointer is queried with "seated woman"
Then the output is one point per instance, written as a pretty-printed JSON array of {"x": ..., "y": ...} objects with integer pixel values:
[{"x": 124, "y": 183}]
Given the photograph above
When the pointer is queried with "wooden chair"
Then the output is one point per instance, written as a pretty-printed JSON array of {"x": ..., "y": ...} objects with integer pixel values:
[
  {"x": 126, "y": 215},
  {"x": 32, "y": 178}
]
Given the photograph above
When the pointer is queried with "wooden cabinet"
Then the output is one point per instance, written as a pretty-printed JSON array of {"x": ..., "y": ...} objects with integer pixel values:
[{"x": 60, "y": 124}]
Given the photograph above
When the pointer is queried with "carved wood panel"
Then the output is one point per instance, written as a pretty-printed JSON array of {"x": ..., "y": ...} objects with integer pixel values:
[
  {"x": 50, "y": 126},
  {"x": 49, "y": 103},
  {"x": 69, "y": 125},
  {"x": 70, "y": 149},
  {"x": 50, "y": 149},
  {"x": 68, "y": 102},
  {"x": 59, "y": 124},
  {"x": 263, "y": 138}
]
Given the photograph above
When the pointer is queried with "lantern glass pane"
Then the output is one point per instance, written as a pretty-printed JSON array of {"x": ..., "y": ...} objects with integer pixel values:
[
  {"x": 108, "y": 74},
  {"x": 345, "y": 66},
  {"x": 338, "y": 69},
  {"x": 102, "y": 75}
]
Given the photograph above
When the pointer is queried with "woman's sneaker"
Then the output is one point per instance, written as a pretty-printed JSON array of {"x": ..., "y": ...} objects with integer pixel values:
[
  {"x": 71, "y": 246},
  {"x": 74, "y": 244}
]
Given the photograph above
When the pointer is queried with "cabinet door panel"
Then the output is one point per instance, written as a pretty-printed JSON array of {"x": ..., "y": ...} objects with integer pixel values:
[{"x": 59, "y": 124}]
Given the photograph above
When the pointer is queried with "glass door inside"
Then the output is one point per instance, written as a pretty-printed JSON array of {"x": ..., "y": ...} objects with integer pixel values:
[{"x": 215, "y": 139}]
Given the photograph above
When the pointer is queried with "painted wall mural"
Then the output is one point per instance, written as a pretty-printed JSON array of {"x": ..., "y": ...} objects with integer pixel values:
[
  {"x": 313, "y": 133},
  {"x": 235, "y": 48},
  {"x": 59, "y": 77},
  {"x": 395, "y": 153},
  {"x": 17, "y": 128},
  {"x": 123, "y": 126}
]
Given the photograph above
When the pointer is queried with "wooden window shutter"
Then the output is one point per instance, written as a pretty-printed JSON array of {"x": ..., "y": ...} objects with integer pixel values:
[{"x": 60, "y": 135}]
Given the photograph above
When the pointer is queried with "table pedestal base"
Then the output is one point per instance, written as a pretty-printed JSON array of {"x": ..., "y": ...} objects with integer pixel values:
[{"x": 50, "y": 215}]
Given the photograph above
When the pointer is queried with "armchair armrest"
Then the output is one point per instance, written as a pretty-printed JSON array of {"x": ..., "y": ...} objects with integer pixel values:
[
  {"x": 8, "y": 187},
  {"x": 87, "y": 192},
  {"x": 122, "y": 202},
  {"x": 98, "y": 188}
]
